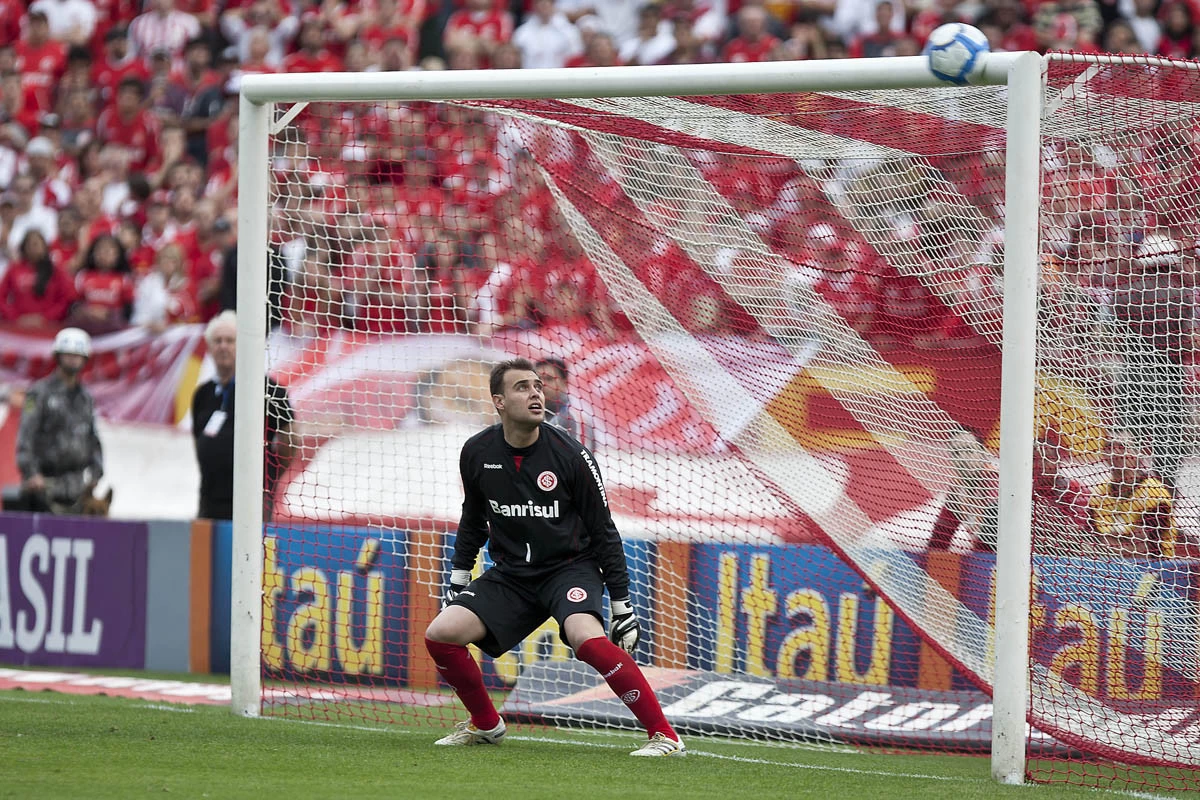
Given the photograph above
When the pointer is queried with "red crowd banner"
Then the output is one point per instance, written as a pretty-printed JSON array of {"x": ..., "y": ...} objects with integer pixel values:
[{"x": 135, "y": 375}]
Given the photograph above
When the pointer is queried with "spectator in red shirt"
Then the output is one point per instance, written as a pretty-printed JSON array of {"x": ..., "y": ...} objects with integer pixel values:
[
  {"x": 104, "y": 288},
  {"x": 131, "y": 127},
  {"x": 1010, "y": 17},
  {"x": 257, "y": 58},
  {"x": 421, "y": 193},
  {"x": 77, "y": 75},
  {"x": 194, "y": 234},
  {"x": 599, "y": 50},
  {"x": 266, "y": 17},
  {"x": 940, "y": 12},
  {"x": 66, "y": 251},
  {"x": 40, "y": 60},
  {"x": 450, "y": 269},
  {"x": 165, "y": 297},
  {"x": 1119, "y": 37},
  {"x": 113, "y": 13},
  {"x": 159, "y": 230},
  {"x": 392, "y": 22},
  {"x": 753, "y": 43},
  {"x": 1053, "y": 489},
  {"x": 195, "y": 72},
  {"x": 1177, "y": 27},
  {"x": 654, "y": 40},
  {"x": 311, "y": 55},
  {"x": 479, "y": 27},
  {"x": 10, "y": 20},
  {"x": 141, "y": 256},
  {"x": 207, "y": 258},
  {"x": 77, "y": 122},
  {"x": 883, "y": 41},
  {"x": 42, "y": 166},
  {"x": 88, "y": 198},
  {"x": 383, "y": 288},
  {"x": 17, "y": 105},
  {"x": 34, "y": 293},
  {"x": 395, "y": 56},
  {"x": 508, "y": 56},
  {"x": 689, "y": 48},
  {"x": 313, "y": 301},
  {"x": 164, "y": 98}
]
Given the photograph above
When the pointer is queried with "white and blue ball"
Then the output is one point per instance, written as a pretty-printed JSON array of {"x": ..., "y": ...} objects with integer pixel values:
[{"x": 957, "y": 52}]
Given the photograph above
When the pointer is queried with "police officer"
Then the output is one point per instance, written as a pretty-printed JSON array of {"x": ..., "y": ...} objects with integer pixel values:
[{"x": 58, "y": 450}]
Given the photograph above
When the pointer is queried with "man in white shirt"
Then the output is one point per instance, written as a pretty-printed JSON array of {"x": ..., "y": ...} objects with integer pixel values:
[
  {"x": 654, "y": 40},
  {"x": 70, "y": 21},
  {"x": 41, "y": 165},
  {"x": 619, "y": 17},
  {"x": 30, "y": 215},
  {"x": 853, "y": 18},
  {"x": 12, "y": 143},
  {"x": 547, "y": 38},
  {"x": 162, "y": 26},
  {"x": 262, "y": 18}
]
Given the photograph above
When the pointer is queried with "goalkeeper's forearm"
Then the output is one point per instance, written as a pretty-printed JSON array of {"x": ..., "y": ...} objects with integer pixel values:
[
  {"x": 618, "y": 592},
  {"x": 466, "y": 550}
]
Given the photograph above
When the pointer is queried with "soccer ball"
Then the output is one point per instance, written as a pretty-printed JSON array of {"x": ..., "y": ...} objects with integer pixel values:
[{"x": 956, "y": 52}]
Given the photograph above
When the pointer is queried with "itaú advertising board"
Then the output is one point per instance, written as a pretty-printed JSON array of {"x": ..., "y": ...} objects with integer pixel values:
[{"x": 789, "y": 630}]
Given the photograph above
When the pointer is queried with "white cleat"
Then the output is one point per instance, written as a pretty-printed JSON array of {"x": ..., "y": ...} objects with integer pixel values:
[
  {"x": 661, "y": 745},
  {"x": 466, "y": 734}
]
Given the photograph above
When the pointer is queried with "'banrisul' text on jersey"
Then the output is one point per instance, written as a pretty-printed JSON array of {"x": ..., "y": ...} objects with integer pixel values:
[{"x": 537, "y": 507}]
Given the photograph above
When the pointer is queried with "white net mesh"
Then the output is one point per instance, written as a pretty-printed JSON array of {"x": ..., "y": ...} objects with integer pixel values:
[{"x": 782, "y": 320}]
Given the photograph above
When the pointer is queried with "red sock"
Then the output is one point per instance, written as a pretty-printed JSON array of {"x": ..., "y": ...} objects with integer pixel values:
[
  {"x": 458, "y": 669},
  {"x": 626, "y": 680}
]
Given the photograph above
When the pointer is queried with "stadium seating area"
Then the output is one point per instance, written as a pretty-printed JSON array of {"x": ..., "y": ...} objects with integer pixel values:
[{"x": 118, "y": 146}]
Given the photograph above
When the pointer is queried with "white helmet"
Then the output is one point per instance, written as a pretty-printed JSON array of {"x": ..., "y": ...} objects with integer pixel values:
[{"x": 73, "y": 341}]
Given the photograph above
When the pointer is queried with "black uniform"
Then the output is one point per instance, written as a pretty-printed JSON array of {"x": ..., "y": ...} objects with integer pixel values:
[
  {"x": 544, "y": 514},
  {"x": 214, "y": 444}
]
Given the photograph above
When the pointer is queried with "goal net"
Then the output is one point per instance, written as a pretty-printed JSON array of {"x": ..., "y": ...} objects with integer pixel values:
[{"x": 780, "y": 316}]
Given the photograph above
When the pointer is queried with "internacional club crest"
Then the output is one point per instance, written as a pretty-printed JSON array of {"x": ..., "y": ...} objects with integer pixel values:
[
  {"x": 547, "y": 481},
  {"x": 576, "y": 594}
]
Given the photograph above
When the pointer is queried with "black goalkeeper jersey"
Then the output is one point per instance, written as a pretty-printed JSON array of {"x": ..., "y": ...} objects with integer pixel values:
[{"x": 551, "y": 511}]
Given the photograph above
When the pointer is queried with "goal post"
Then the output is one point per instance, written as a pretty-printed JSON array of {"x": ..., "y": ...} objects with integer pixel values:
[
  {"x": 1014, "y": 543},
  {"x": 246, "y": 623},
  {"x": 264, "y": 107}
]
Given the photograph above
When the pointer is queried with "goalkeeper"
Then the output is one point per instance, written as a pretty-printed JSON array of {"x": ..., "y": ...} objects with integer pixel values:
[{"x": 535, "y": 496}]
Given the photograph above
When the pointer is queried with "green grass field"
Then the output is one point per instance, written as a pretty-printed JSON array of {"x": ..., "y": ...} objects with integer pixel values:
[{"x": 66, "y": 746}]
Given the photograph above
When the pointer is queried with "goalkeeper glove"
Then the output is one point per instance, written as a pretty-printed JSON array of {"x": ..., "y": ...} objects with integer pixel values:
[
  {"x": 623, "y": 628},
  {"x": 459, "y": 578}
]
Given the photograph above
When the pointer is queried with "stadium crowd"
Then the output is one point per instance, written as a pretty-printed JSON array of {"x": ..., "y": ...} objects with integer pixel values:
[{"x": 118, "y": 125}]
